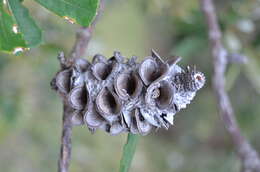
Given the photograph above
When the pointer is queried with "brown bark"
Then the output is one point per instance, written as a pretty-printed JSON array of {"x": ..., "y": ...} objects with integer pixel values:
[{"x": 65, "y": 149}]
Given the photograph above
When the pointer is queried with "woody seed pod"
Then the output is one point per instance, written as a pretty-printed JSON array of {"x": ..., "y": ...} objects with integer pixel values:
[{"x": 117, "y": 96}]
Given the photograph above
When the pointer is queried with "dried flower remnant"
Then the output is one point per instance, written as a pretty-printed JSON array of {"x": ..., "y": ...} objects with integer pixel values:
[{"x": 118, "y": 95}]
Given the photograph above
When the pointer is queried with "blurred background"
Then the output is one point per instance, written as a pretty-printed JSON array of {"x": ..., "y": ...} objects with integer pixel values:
[{"x": 30, "y": 112}]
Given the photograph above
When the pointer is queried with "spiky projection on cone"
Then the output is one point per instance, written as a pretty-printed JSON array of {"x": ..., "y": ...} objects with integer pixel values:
[{"x": 119, "y": 95}]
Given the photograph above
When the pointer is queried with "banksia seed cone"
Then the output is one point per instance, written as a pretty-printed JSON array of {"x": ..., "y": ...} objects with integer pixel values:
[{"x": 119, "y": 95}]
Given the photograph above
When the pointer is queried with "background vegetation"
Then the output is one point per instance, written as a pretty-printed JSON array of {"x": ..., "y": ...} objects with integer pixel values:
[{"x": 30, "y": 112}]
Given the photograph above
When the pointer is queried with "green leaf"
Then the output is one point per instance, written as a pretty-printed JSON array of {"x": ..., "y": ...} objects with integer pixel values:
[
  {"x": 26, "y": 25},
  {"x": 8, "y": 39},
  {"x": 17, "y": 29},
  {"x": 128, "y": 152},
  {"x": 75, "y": 11}
]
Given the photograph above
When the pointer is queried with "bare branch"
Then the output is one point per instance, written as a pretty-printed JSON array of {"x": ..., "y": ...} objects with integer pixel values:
[
  {"x": 65, "y": 149},
  {"x": 83, "y": 37},
  {"x": 249, "y": 157}
]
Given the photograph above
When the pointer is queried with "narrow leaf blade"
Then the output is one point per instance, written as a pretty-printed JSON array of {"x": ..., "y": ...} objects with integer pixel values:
[{"x": 128, "y": 152}]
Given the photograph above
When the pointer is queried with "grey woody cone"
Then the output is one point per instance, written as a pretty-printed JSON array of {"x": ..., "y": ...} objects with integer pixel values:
[{"x": 119, "y": 95}]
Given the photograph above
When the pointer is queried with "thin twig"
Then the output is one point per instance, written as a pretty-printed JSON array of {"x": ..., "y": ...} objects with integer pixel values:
[
  {"x": 65, "y": 149},
  {"x": 83, "y": 37},
  {"x": 248, "y": 155}
]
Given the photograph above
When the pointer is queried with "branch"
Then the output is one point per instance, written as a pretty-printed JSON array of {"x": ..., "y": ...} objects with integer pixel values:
[
  {"x": 249, "y": 157},
  {"x": 65, "y": 149},
  {"x": 83, "y": 37}
]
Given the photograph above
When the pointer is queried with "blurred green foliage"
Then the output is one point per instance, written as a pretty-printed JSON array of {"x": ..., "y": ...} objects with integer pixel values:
[{"x": 30, "y": 112}]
